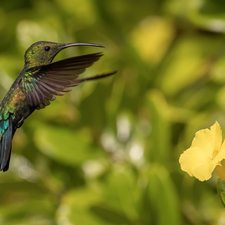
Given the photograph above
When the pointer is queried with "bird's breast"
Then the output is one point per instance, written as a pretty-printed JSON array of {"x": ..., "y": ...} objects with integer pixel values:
[{"x": 15, "y": 103}]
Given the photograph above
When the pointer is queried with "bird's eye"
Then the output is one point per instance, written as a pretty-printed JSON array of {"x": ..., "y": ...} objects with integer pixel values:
[{"x": 47, "y": 48}]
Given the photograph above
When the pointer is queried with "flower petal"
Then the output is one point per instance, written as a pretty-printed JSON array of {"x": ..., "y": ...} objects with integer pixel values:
[
  {"x": 217, "y": 136},
  {"x": 194, "y": 162},
  {"x": 220, "y": 170},
  {"x": 204, "y": 139},
  {"x": 220, "y": 154}
]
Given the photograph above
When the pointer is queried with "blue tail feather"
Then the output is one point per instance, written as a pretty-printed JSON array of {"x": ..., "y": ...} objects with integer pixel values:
[{"x": 6, "y": 145}]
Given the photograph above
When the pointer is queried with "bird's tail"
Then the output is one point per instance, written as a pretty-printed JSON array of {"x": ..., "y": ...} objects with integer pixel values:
[{"x": 6, "y": 135}]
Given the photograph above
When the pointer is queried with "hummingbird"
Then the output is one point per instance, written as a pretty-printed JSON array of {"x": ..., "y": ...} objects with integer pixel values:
[{"x": 37, "y": 84}]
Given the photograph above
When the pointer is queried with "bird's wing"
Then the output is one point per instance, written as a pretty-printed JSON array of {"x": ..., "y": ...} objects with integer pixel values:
[{"x": 41, "y": 83}]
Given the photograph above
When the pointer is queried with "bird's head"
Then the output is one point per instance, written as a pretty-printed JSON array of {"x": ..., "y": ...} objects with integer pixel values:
[{"x": 43, "y": 52}]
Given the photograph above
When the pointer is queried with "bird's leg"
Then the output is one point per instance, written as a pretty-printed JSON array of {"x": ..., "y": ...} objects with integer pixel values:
[{"x": 20, "y": 123}]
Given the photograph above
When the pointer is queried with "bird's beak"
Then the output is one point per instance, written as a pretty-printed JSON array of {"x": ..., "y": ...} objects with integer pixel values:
[{"x": 78, "y": 44}]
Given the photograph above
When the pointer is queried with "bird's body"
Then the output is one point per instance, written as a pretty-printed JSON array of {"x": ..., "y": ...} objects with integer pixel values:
[{"x": 36, "y": 85}]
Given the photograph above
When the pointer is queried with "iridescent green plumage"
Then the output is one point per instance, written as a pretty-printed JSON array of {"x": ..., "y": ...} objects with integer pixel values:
[{"x": 37, "y": 84}]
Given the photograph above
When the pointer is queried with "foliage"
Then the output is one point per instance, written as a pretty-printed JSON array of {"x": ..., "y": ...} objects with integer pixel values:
[{"x": 107, "y": 153}]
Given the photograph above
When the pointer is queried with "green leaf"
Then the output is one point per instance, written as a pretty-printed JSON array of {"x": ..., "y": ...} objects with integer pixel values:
[
  {"x": 122, "y": 192},
  {"x": 76, "y": 207},
  {"x": 64, "y": 145},
  {"x": 163, "y": 197},
  {"x": 221, "y": 190},
  {"x": 160, "y": 135}
]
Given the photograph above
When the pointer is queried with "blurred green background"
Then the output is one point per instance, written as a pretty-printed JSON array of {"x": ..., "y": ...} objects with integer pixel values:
[{"x": 107, "y": 152}]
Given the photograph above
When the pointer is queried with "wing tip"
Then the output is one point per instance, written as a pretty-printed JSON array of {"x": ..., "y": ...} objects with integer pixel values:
[{"x": 96, "y": 77}]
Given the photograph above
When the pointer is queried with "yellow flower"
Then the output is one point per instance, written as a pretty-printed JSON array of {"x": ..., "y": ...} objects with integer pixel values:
[{"x": 206, "y": 154}]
